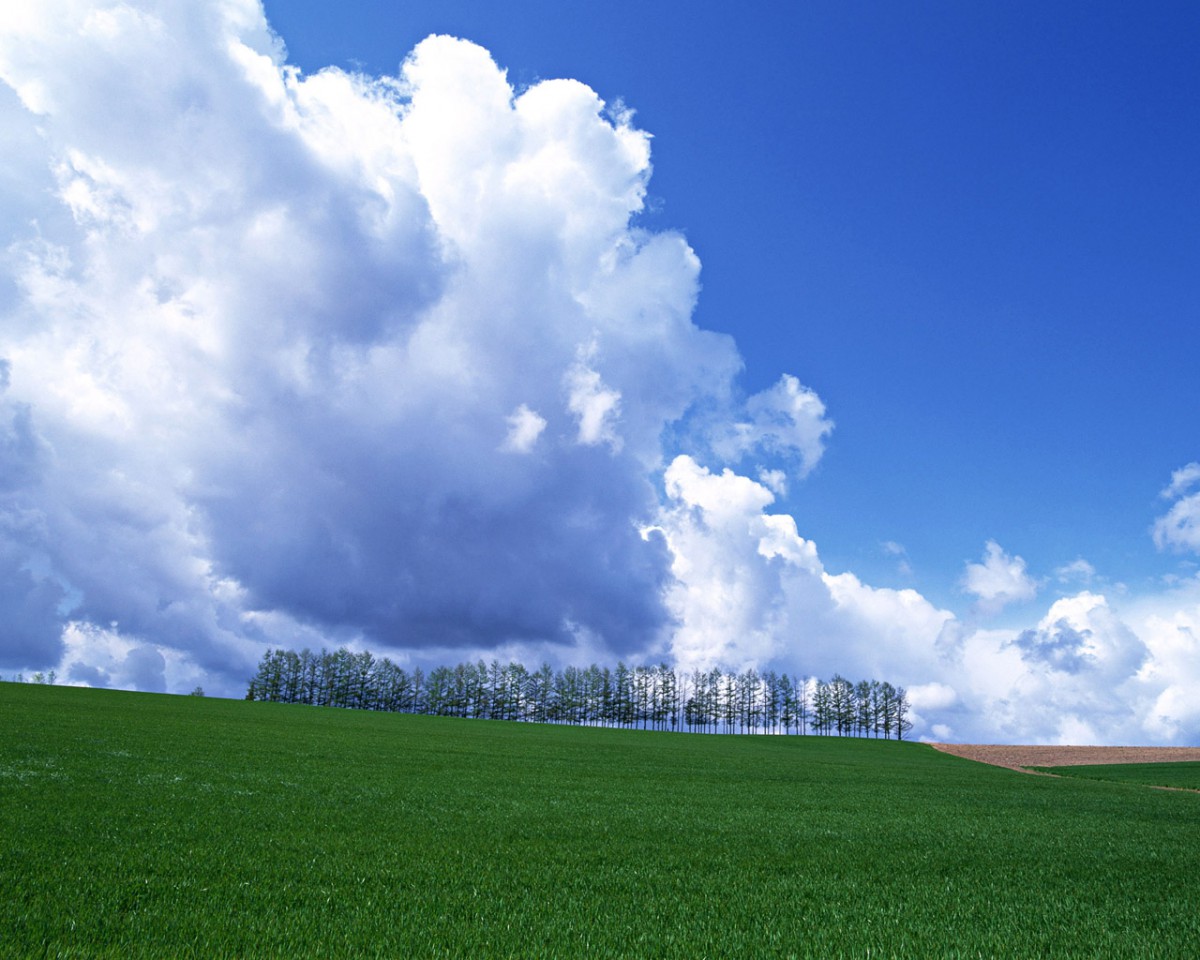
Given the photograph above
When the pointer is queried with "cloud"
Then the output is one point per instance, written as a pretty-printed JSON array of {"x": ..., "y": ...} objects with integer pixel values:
[
  {"x": 999, "y": 580},
  {"x": 748, "y": 590},
  {"x": 524, "y": 428},
  {"x": 787, "y": 420},
  {"x": 104, "y": 657},
  {"x": 932, "y": 696},
  {"x": 897, "y": 550},
  {"x": 774, "y": 480},
  {"x": 1179, "y": 528},
  {"x": 1080, "y": 633},
  {"x": 29, "y": 595},
  {"x": 1087, "y": 672},
  {"x": 1058, "y": 644},
  {"x": 1077, "y": 677},
  {"x": 596, "y": 407},
  {"x": 1168, "y": 624},
  {"x": 932, "y": 700},
  {"x": 272, "y": 341},
  {"x": 1183, "y": 480},
  {"x": 1078, "y": 569}
]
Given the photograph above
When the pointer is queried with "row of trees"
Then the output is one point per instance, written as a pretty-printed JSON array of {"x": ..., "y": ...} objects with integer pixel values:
[
  {"x": 49, "y": 678},
  {"x": 647, "y": 697},
  {"x": 39, "y": 677}
]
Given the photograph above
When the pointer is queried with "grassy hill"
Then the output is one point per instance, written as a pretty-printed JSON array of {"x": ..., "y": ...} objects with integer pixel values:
[
  {"x": 1179, "y": 775},
  {"x": 146, "y": 825}
]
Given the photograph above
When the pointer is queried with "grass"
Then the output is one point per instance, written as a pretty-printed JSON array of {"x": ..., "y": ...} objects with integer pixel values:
[
  {"x": 1182, "y": 775},
  {"x": 142, "y": 825}
]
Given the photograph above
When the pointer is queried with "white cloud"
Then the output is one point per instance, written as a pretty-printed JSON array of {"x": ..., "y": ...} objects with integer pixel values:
[
  {"x": 1087, "y": 672},
  {"x": 524, "y": 428},
  {"x": 932, "y": 696},
  {"x": 773, "y": 480},
  {"x": 595, "y": 406},
  {"x": 1179, "y": 528},
  {"x": 787, "y": 420},
  {"x": 1169, "y": 626},
  {"x": 999, "y": 580},
  {"x": 268, "y": 323},
  {"x": 1078, "y": 569},
  {"x": 750, "y": 590},
  {"x": 103, "y": 656},
  {"x": 1081, "y": 633},
  {"x": 727, "y": 596},
  {"x": 1183, "y": 480}
]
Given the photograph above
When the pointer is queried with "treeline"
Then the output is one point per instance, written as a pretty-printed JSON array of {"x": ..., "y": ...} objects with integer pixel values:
[
  {"x": 39, "y": 677},
  {"x": 653, "y": 698}
]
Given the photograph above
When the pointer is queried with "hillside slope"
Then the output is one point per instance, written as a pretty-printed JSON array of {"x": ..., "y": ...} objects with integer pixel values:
[{"x": 147, "y": 825}]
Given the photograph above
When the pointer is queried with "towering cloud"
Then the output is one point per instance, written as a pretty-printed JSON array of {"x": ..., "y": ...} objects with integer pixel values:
[{"x": 272, "y": 342}]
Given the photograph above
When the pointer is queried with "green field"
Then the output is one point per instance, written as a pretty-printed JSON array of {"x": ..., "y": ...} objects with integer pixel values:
[
  {"x": 1179, "y": 776},
  {"x": 143, "y": 825}
]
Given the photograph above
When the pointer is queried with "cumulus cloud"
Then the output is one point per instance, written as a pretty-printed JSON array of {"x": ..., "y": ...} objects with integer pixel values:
[
  {"x": 524, "y": 428},
  {"x": 1074, "y": 678},
  {"x": 1081, "y": 633},
  {"x": 1089, "y": 671},
  {"x": 101, "y": 656},
  {"x": 595, "y": 406},
  {"x": 281, "y": 347},
  {"x": 787, "y": 420},
  {"x": 1179, "y": 528},
  {"x": 932, "y": 696},
  {"x": 999, "y": 579},
  {"x": 749, "y": 590},
  {"x": 273, "y": 340},
  {"x": 1168, "y": 624}
]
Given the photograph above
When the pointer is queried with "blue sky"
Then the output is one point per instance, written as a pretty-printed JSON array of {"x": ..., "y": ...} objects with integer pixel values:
[
  {"x": 851, "y": 338},
  {"x": 973, "y": 229}
]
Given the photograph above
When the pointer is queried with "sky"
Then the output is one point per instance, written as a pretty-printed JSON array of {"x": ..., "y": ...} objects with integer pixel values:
[{"x": 854, "y": 338}]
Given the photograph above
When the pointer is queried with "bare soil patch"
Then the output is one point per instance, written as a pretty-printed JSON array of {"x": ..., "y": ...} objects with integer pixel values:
[{"x": 1021, "y": 758}]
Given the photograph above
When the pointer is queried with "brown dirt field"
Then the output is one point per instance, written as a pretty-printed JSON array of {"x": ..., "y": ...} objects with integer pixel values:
[{"x": 1019, "y": 758}]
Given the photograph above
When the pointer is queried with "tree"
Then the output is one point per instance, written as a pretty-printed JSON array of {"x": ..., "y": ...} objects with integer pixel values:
[
  {"x": 608, "y": 698},
  {"x": 841, "y": 693},
  {"x": 667, "y": 691},
  {"x": 541, "y": 689},
  {"x": 623, "y": 695},
  {"x": 729, "y": 706},
  {"x": 862, "y": 708},
  {"x": 749, "y": 685},
  {"x": 802, "y": 705},
  {"x": 903, "y": 724},
  {"x": 887, "y": 709},
  {"x": 822, "y": 707},
  {"x": 496, "y": 691},
  {"x": 787, "y": 703},
  {"x": 772, "y": 700}
]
